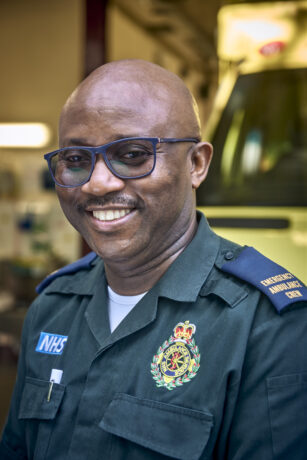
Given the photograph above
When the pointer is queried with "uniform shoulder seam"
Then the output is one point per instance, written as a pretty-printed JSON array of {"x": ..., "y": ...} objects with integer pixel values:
[{"x": 84, "y": 263}]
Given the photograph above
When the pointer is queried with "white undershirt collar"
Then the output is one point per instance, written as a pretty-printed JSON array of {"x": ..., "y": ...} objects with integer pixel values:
[{"x": 120, "y": 305}]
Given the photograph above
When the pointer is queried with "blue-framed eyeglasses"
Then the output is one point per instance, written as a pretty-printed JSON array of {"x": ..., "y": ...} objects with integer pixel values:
[{"x": 128, "y": 158}]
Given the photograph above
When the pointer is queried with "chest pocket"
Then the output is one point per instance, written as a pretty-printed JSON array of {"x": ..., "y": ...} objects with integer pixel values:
[
  {"x": 35, "y": 408},
  {"x": 34, "y": 403},
  {"x": 167, "y": 429}
]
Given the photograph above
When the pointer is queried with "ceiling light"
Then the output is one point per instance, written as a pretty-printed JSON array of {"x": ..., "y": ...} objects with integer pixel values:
[{"x": 18, "y": 135}]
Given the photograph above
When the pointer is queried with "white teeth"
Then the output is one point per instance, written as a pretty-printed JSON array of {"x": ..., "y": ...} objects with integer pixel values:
[{"x": 111, "y": 214}]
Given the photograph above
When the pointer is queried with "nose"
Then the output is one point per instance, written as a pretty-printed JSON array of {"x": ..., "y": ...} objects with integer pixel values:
[{"x": 102, "y": 180}]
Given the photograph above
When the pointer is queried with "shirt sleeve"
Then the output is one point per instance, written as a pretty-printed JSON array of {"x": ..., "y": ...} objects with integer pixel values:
[
  {"x": 13, "y": 442},
  {"x": 270, "y": 420}
]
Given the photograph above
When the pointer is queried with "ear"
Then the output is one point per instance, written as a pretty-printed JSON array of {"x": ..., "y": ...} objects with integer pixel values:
[{"x": 200, "y": 161}]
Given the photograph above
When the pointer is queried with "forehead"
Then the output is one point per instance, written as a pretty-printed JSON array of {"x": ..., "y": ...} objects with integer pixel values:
[
  {"x": 125, "y": 94},
  {"x": 113, "y": 108}
]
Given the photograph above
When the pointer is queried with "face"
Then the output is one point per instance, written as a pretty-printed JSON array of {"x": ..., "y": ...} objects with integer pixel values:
[{"x": 135, "y": 219}]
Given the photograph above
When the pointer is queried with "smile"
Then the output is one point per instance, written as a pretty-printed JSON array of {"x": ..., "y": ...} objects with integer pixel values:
[{"x": 110, "y": 214}]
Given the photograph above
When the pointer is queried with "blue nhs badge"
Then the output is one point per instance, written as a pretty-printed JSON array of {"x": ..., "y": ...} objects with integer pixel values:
[{"x": 52, "y": 344}]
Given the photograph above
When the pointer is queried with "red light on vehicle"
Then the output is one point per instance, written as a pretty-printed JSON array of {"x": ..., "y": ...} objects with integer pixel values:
[{"x": 272, "y": 48}]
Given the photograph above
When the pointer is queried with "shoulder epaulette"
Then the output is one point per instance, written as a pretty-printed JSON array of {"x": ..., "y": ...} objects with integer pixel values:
[
  {"x": 81, "y": 264},
  {"x": 281, "y": 286}
]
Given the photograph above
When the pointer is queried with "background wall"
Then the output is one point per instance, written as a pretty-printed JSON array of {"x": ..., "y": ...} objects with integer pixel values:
[{"x": 41, "y": 56}]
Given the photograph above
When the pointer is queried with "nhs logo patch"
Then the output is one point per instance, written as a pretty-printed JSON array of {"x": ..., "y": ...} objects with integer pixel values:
[{"x": 52, "y": 344}]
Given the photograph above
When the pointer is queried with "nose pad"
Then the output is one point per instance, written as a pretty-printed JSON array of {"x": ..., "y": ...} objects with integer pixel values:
[{"x": 102, "y": 180}]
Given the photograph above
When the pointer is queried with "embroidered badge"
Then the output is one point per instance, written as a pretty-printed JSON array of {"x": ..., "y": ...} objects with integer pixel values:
[
  {"x": 177, "y": 360},
  {"x": 51, "y": 344}
]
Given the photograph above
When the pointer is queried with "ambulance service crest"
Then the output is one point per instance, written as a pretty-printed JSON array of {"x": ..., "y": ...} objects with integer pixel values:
[{"x": 177, "y": 361}]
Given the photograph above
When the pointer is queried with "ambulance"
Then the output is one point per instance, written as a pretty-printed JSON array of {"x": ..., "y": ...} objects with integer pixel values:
[{"x": 256, "y": 190}]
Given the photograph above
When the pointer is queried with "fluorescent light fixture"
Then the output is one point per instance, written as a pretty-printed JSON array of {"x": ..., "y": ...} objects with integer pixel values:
[
  {"x": 17, "y": 135},
  {"x": 262, "y": 30}
]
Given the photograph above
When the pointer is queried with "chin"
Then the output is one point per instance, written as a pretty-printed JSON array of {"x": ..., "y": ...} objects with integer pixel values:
[{"x": 113, "y": 251}]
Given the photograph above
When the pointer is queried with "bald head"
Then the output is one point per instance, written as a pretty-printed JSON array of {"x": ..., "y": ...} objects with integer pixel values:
[{"x": 141, "y": 90}]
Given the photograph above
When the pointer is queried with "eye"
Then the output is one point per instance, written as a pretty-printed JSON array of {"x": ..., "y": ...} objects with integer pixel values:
[
  {"x": 132, "y": 154},
  {"x": 74, "y": 157},
  {"x": 135, "y": 154}
]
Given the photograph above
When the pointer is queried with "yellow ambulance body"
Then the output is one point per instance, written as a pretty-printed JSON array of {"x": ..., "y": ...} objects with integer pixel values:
[{"x": 256, "y": 191}]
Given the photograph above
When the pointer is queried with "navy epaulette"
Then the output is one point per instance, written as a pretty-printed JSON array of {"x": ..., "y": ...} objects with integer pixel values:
[
  {"x": 274, "y": 281},
  {"x": 83, "y": 263}
]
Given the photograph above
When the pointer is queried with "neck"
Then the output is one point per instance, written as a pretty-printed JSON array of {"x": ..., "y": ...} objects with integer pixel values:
[{"x": 131, "y": 277}]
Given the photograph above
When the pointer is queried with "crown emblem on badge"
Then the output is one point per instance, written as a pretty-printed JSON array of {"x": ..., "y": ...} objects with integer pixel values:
[
  {"x": 184, "y": 330},
  {"x": 177, "y": 361}
]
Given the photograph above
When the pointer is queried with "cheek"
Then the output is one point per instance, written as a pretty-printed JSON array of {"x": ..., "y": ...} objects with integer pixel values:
[
  {"x": 170, "y": 186},
  {"x": 68, "y": 202},
  {"x": 176, "y": 175}
]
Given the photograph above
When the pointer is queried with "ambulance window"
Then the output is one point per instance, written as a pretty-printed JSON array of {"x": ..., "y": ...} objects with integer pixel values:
[{"x": 260, "y": 144}]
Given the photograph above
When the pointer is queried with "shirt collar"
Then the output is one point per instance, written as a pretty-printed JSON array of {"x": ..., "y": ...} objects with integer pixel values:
[{"x": 185, "y": 277}]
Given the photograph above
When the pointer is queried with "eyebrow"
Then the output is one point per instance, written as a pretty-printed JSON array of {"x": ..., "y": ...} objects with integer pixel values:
[
  {"x": 80, "y": 141},
  {"x": 77, "y": 141}
]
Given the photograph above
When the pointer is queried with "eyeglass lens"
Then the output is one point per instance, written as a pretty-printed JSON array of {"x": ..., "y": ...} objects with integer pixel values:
[{"x": 125, "y": 159}]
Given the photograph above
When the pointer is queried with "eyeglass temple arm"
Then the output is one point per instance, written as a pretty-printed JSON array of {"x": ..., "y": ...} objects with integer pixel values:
[{"x": 162, "y": 140}]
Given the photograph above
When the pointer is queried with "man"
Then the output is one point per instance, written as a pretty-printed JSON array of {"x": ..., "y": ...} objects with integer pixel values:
[{"x": 158, "y": 344}]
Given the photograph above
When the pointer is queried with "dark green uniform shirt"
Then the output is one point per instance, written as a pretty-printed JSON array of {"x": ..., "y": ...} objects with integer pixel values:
[{"x": 203, "y": 367}]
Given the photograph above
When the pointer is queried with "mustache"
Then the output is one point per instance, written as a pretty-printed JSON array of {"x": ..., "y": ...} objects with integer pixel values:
[{"x": 106, "y": 200}]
